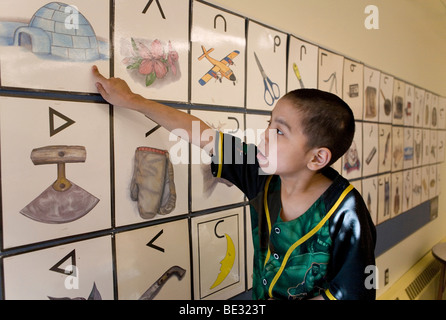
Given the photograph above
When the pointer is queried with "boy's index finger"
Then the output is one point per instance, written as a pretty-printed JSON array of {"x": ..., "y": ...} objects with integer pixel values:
[{"x": 98, "y": 76}]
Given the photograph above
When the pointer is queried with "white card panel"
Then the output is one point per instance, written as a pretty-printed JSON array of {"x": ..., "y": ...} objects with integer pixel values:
[
  {"x": 353, "y": 87},
  {"x": 385, "y": 98},
  {"x": 148, "y": 254},
  {"x": 133, "y": 130},
  {"x": 270, "y": 47},
  {"x": 409, "y": 106},
  {"x": 55, "y": 44},
  {"x": 370, "y": 195},
  {"x": 399, "y": 101},
  {"x": 302, "y": 64},
  {"x": 352, "y": 161},
  {"x": 371, "y": 93},
  {"x": 331, "y": 71},
  {"x": 218, "y": 254},
  {"x": 79, "y": 270},
  {"x": 207, "y": 191},
  {"x": 385, "y": 147},
  {"x": 28, "y": 124},
  {"x": 218, "y": 57},
  {"x": 370, "y": 149},
  {"x": 152, "y": 47},
  {"x": 418, "y": 107},
  {"x": 384, "y": 197}
]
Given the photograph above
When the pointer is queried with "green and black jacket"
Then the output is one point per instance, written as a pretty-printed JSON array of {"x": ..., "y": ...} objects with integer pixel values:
[{"x": 328, "y": 251}]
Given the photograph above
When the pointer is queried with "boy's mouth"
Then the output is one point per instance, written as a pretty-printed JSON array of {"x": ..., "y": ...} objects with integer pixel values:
[{"x": 261, "y": 158}]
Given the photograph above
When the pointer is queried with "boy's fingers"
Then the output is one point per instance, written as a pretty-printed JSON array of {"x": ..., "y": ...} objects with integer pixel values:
[
  {"x": 98, "y": 76},
  {"x": 101, "y": 90}
]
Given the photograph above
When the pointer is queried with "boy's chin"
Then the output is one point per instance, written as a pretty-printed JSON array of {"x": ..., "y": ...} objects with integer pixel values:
[{"x": 267, "y": 168}]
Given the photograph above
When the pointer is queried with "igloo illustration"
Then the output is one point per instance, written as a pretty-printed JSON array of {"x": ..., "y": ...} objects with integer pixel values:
[{"x": 59, "y": 30}]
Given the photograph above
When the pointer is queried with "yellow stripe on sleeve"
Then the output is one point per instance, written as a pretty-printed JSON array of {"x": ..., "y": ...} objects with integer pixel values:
[
  {"x": 268, "y": 219},
  {"x": 329, "y": 295},
  {"x": 220, "y": 154}
]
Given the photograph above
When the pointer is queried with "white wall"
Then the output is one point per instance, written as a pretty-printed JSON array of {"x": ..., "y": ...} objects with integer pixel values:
[{"x": 409, "y": 44}]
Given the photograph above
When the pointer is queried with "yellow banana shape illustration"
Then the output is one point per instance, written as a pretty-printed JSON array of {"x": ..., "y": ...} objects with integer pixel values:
[{"x": 227, "y": 263}]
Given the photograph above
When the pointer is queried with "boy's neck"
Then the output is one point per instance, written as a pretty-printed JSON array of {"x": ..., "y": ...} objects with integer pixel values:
[{"x": 298, "y": 193}]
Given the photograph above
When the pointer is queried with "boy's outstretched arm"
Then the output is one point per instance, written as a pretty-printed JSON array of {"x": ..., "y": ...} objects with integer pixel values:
[{"x": 116, "y": 92}]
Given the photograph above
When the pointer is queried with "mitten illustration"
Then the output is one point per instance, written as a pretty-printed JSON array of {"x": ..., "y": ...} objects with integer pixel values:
[{"x": 152, "y": 184}]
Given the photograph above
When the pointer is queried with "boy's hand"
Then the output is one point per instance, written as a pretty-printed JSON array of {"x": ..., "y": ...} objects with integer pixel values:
[{"x": 114, "y": 90}]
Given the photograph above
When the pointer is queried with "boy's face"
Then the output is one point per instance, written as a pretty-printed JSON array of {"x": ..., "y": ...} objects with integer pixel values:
[{"x": 283, "y": 148}]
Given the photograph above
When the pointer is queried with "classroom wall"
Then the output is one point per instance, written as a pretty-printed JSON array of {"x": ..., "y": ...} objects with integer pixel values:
[
  {"x": 114, "y": 246},
  {"x": 410, "y": 44}
]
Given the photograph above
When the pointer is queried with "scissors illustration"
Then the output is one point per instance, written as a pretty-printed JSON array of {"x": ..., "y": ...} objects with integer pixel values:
[{"x": 270, "y": 87}]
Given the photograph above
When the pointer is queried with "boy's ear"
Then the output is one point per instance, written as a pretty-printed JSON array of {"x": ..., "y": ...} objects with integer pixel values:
[{"x": 321, "y": 157}]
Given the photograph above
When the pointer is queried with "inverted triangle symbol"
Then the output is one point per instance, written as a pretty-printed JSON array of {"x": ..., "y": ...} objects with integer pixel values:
[{"x": 68, "y": 122}]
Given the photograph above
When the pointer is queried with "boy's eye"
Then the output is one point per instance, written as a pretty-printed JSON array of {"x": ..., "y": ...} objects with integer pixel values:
[{"x": 279, "y": 132}]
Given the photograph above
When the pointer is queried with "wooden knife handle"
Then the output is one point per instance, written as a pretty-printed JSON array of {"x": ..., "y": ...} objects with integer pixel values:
[{"x": 58, "y": 154}]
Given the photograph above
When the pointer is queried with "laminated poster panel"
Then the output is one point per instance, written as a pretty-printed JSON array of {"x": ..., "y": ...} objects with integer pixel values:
[
  {"x": 370, "y": 195},
  {"x": 77, "y": 271},
  {"x": 266, "y": 69},
  {"x": 302, "y": 64},
  {"x": 218, "y": 57},
  {"x": 218, "y": 255},
  {"x": 418, "y": 107},
  {"x": 146, "y": 255},
  {"x": 52, "y": 45},
  {"x": 370, "y": 149},
  {"x": 371, "y": 93},
  {"x": 207, "y": 191},
  {"x": 331, "y": 72},
  {"x": 399, "y": 101},
  {"x": 54, "y": 154},
  {"x": 151, "y": 170},
  {"x": 352, "y": 161},
  {"x": 385, "y": 98},
  {"x": 353, "y": 87},
  {"x": 151, "y": 41}
]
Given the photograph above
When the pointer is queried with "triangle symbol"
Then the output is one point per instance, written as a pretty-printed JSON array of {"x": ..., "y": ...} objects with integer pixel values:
[
  {"x": 72, "y": 256},
  {"x": 67, "y": 122}
]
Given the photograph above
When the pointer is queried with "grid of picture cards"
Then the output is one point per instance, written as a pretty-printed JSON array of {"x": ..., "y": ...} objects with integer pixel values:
[{"x": 74, "y": 216}]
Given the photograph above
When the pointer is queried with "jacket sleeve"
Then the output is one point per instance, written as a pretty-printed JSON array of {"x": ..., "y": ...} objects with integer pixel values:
[
  {"x": 236, "y": 162},
  {"x": 354, "y": 237}
]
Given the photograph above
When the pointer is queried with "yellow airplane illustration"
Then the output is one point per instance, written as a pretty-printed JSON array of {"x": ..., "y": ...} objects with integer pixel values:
[{"x": 221, "y": 68}]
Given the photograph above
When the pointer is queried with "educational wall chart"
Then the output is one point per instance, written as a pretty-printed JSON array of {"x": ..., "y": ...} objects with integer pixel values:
[
  {"x": 52, "y": 45},
  {"x": 150, "y": 221}
]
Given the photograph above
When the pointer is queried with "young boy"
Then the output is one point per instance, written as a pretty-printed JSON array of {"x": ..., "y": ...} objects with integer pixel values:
[{"x": 312, "y": 233}]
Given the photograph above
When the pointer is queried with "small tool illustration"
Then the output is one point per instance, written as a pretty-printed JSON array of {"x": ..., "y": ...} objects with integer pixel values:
[
  {"x": 156, "y": 287},
  {"x": 270, "y": 94},
  {"x": 63, "y": 201},
  {"x": 297, "y": 73}
]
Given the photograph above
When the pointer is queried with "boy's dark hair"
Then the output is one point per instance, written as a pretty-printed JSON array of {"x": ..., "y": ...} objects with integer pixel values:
[{"x": 327, "y": 120}]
